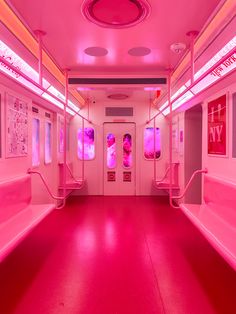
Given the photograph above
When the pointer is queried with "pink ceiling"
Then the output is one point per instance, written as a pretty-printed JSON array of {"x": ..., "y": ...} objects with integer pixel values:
[{"x": 69, "y": 34}]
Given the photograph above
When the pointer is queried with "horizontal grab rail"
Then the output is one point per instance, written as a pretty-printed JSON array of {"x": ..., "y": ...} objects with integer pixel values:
[
  {"x": 61, "y": 198},
  {"x": 211, "y": 69},
  {"x": 189, "y": 183},
  {"x": 166, "y": 173},
  {"x": 70, "y": 172},
  {"x": 19, "y": 72}
]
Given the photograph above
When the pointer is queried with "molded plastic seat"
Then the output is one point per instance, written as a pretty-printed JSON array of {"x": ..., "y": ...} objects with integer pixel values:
[
  {"x": 17, "y": 216},
  {"x": 216, "y": 219}
]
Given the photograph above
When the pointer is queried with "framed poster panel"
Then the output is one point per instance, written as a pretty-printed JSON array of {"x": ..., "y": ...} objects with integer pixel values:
[
  {"x": 217, "y": 126},
  {"x": 16, "y": 127},
  {"x": 48, "y": 143}
]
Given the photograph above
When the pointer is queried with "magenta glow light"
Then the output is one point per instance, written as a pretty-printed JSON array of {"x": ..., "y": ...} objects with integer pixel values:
[
  {"x": 17, "y": 62},
  {"x": 221, "y": 70},
  {"x": 21, "y": 65},
  {"x": 111, "y": 151},
  {"x": 35, "y": 143},
  {"x": 89, "y": 147},
  {"x": 149, "y": 143},
  {"x": 48, "y": 143}
]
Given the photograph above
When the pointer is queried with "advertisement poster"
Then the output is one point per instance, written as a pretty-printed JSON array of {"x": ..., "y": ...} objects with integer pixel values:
[
  {"x": 217, "y": 126},
  {"x": 17, "y": 127}
]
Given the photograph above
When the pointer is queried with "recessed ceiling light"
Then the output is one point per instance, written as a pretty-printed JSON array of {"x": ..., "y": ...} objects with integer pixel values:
[
  {"x": 96, "y": 51},
  {"x": 139, "y": 51},
  {"x": 120, "y": 14}
]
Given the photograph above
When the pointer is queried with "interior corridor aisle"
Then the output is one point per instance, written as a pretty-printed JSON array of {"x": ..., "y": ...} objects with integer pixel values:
[{"x": 116, "y": 255}]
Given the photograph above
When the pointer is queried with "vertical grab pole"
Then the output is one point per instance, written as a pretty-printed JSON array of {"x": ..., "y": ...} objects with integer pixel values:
[
  {"x": 192, "y": 35},
  {"x": 65, "y": 134},
  {"x": 170, "y": 137},
  {"x": 83, "y": 149},
  {"x": 154, "y": 150},
  {"x": 39, "y": 35}
]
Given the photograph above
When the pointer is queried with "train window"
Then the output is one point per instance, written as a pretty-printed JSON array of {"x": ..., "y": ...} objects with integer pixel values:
[
  {"x": 111, "y": 151},
  {"x": 127, "y": 151},
  {"x": 149, "y": 143},
  {"x": 48, "y": 143},
  {"x": 35, "y": 143},
  {"x": 89, "y": 146}
]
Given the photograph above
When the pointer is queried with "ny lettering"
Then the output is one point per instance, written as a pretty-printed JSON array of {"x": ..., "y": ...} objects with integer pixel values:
[{"x": 215, "y": 133}]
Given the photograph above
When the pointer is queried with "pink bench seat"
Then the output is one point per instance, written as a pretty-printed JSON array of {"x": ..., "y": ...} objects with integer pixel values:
[
  {"x": 17, "y": 216},
  {"x": 216, "y": 218}
]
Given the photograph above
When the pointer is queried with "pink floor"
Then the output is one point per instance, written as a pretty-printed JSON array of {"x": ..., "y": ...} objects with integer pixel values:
[{"x": 116, "y": 255}]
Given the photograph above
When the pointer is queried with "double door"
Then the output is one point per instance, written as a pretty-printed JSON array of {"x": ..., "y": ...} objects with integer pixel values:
[{"x": 119, "y": 158}]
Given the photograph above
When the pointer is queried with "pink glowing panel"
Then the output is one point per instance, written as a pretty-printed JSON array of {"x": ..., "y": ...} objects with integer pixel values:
[
  {"x": 127, "y": 151},
  {"x": 149, "y": 143},
  {"x": 10, "y": 56},
  {"x": 111, "y": 151},
  {"x": 35, "y": 142},
  {"x": 60, "y": 96},
  {"x": 88, "y": 141},
  {"x": 48, "y": 143},
  {"x": 61, "y": 139},
  {"x": 225, "y": 67}
]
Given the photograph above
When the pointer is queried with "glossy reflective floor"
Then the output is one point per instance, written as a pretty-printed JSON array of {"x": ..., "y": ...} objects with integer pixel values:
[{"x": 116, "y": 255}]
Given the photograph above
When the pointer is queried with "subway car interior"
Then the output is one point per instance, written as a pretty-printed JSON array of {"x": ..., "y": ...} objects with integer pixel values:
[{"x": 117, "y": 157}]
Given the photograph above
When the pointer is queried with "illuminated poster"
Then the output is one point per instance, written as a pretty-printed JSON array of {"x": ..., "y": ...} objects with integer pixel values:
[
  {"x": 89, "y": 146},
  {"x": 48, "y": 142},
  {"x": 217, "y": 126},
  {"x": 149, "y": 143},
  {"x": 17, "y": 127},
  {"x": 35, "y": 143},
  {"x": 61, "y": 134},
  {"x": 111, "y": 151},
  {"x": 127, "y": 150}
]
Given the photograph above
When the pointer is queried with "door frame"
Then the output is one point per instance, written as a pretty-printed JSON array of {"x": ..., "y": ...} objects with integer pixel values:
[{"x": 134, "y": 152}]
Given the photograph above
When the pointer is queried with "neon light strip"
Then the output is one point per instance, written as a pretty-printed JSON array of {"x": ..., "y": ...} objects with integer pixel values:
[
  {"x": 59, "y": 95},
  {"x": 13, "y": 23},
  {"x": 225, "y": 11},
  {"x": 57, "y": 103},
  {"x": 212, "y": 75},
  {"x": 228, "y": 47},
  {"x": 19, "y": 64},
  {"x": 32, "y": 85},
  {"x": 10, "y": 56},
  {"x": 203, "y": 81},
  {"x": 43, "y": 90}
]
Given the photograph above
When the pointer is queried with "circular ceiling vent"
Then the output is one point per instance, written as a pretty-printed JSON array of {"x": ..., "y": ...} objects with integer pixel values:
[
  {"x": 118, "y": 96},
  {"x": 139, "y": 51},
  {"x": 96, "y": 51},
  {"x": 116, "y": 13}
]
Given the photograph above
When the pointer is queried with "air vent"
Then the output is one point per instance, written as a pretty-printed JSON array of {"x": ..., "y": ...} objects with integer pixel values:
[
  {"x": 119, "y": 111},
  {"x": 47, "y": 115},
  {"x": 34, "y": 109},
  {"x": 117, "y": 81},
  {"x": 116, "y": 13}
]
